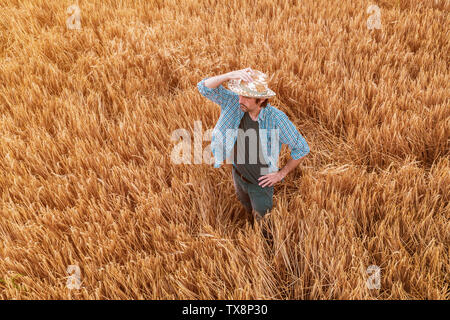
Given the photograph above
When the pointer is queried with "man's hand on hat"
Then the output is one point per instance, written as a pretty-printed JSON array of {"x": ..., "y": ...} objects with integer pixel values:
[{"x": 244, "y": 74}]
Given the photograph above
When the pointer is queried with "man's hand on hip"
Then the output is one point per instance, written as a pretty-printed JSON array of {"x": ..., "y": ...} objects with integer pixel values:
[{"x": 270, "y": 179}]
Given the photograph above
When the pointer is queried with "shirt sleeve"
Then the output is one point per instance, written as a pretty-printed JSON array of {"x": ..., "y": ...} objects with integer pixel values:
[
  {"x": 289, "y": 135},
  {"x": 223, "y": 97}
]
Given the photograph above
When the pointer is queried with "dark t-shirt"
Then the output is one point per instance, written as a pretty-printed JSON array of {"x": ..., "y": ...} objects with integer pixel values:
[{"x": 247, "y": 153}]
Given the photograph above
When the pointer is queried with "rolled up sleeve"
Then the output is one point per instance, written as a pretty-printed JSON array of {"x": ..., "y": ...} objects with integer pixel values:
[
  {"x": 289, "y": 135},
  {"x": 221, "y": 96}
]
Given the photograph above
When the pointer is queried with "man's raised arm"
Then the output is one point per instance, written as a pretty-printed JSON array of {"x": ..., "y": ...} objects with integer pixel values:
[
  {"x": 214, "y": 82},
  {"x": 212, "y": 89}
]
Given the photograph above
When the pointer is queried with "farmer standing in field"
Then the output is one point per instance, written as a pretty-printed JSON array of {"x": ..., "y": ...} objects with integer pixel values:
[{"x": 246, "y": 113}]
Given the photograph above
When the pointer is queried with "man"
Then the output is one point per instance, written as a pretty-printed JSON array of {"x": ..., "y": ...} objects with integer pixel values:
[{"x": 246, "y": 113}]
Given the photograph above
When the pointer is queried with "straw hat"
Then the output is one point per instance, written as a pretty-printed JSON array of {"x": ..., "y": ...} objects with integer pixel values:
[{"x": 256, "y": 89}]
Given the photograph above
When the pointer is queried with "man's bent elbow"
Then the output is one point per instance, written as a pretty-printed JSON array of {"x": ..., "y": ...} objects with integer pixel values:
[{"x": 300, "y": 154}]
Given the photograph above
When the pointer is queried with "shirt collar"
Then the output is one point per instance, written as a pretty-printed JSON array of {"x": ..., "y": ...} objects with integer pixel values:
[{"x": 262, "y": 113}]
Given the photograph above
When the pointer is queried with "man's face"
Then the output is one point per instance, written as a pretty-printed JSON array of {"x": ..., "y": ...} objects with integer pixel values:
[{"x": 248, "y": 104}]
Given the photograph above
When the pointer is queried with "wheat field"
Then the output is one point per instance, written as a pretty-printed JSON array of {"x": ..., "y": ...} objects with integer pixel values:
[{"x": 87, "y": 180}]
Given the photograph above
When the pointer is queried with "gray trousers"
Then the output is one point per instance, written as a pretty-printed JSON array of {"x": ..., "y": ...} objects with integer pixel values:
[{"x": 253, "y": 196}]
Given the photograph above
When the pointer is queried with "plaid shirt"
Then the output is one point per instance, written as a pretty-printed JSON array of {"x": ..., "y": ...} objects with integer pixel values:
[{"x": 274, "y": 126}]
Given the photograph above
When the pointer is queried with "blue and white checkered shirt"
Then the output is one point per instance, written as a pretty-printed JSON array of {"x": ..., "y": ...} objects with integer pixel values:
[{"x": 274, "y": 126}]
